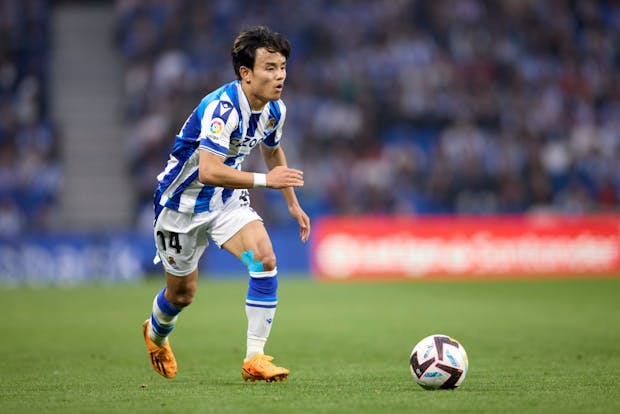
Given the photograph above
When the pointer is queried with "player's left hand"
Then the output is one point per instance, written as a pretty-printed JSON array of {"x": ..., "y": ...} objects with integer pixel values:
[{"x": 303, "y": 220}]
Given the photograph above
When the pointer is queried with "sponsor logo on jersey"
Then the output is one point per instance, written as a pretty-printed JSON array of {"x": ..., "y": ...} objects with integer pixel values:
[{"x": 217, "y": 125}]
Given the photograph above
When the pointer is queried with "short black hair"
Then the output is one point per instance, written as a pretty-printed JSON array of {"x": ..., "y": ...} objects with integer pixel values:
[{"x": 245, "y": 45}]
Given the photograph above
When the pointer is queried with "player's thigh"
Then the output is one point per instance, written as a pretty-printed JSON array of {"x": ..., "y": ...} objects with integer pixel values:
[
  {"x": 239, "y": 230},
  {"x": 252, "y": 237}
]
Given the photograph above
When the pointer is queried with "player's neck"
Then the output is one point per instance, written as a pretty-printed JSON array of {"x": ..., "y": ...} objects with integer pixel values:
[{"x": 256, "y": 104}]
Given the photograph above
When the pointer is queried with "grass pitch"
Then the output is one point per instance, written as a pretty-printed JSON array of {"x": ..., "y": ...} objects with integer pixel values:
[{"x": 534, "y": 346}]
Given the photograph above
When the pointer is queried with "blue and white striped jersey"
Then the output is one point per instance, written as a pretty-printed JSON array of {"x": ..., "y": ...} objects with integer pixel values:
[{"x": 224, "y": 124}]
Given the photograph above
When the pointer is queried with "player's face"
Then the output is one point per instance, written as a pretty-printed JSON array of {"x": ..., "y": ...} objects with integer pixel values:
[{"x": 264, "y": 83}]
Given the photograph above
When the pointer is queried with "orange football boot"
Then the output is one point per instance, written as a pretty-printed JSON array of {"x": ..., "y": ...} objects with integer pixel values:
[
  {"x": 260, "y": 368},
  {"x": 162, "y": 358}
]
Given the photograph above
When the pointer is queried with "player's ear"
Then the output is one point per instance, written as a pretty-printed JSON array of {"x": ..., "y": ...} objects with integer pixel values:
[{"x": 245, "y": 73}]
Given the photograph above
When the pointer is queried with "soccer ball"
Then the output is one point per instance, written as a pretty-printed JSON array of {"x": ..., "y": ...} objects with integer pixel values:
[{"x": 438, "y": 362}]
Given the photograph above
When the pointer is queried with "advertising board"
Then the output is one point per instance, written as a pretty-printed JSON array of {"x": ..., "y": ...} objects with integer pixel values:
[{"x": 368, "y": 247}]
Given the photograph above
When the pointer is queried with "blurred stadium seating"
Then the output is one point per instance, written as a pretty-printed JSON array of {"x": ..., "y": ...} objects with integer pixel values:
[
  {"x": 29, "y": 163},
  {"x": 412, "y": 107},
  {"x": 403, "y": 107}
]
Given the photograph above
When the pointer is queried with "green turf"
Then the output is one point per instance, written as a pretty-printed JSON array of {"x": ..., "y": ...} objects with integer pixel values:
[{"x": 548, "y": 346}]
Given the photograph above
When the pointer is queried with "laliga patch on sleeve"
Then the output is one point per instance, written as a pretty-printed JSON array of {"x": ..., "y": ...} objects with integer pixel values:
[{"x": 216, "y": 127}]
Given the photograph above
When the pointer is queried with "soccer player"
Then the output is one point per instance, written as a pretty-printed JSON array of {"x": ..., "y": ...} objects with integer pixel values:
[{"x": 202, "y": 193}]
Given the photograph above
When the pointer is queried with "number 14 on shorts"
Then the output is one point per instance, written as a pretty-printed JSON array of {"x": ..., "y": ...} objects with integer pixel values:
[{"x": 171, "y": 241}]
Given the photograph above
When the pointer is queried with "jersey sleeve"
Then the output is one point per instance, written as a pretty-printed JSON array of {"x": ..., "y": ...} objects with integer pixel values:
[
  {"x": 219, "y": 120},
  {"x": 272, "y": 140}
]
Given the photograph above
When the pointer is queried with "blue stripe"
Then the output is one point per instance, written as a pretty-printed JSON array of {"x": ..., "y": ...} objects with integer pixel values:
[
  {"x": 270, "y": 140},
  {"x": 157, "y": 207},
  {"x": 252, "y": 124},
  {"x": 165, "y": 306},
  {"x": 182, "y": 151},
  {"x": 262, "y": 289},
  {"x": 226, "y": 193},
  {"x": 202, "y": 106},
  {"x": 175, "y": 199},
  {"x": 183, "y": 148},
  {"x": 159, "y": 330},
  {"x": 262, "y": 299},
  {"x": 231, "y": 161},
  {"x": 192, "y": 125},
  {"x": 204, "y": 199},
  {"x": 274, "y": 111},
  {"x": 253, "y": 305}
]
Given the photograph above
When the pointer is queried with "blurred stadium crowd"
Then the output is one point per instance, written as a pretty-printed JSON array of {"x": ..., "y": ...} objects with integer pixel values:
[
  {"x": 30, "y": 172},
  {"x": 465, "y": 106},
  {"x": 394, "y": 106}
]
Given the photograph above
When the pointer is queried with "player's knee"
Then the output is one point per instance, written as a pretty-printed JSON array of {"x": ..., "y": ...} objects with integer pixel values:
[
  {"x": 258, "y": 261},
  {"x": 269, "y": 262},
  {"x": 182, "y": 299}
]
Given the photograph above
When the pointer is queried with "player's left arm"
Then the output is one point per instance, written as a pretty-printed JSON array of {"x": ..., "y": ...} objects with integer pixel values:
[{"x": 274, "y": 156}]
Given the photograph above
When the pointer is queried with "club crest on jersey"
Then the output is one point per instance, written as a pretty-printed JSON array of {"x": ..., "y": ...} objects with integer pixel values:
[
  {"x": 217, "y": 125},
  {"x": 270, "y": 126}
]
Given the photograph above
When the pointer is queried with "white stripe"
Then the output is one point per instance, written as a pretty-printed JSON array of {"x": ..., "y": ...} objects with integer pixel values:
[
  {"x": 216, "y": 199},
  {"x": 162, "y": 318},
  {"x": 244, "y": 105},
  {"x": 207, "y": 117},
  {"x": 188, "y": 169},
  {"x": 261, "y": 275},
  {"x": 258, "y": 302},
  {"x": 189, "y": 197},
  {"x": 172, "y": 162},
  {"x": 262, "y": 121},
  {"x": 211, "y": 150}
]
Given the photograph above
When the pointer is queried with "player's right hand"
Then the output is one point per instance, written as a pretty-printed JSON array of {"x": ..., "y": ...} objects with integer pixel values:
[{"x": 283, "y": 177}]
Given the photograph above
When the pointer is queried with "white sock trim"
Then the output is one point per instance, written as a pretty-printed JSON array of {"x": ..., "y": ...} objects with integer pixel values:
[{"x": 267, "y": 273}]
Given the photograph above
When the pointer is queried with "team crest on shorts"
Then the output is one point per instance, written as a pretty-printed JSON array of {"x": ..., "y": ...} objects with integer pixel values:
[{"x": 171, "y": 261}]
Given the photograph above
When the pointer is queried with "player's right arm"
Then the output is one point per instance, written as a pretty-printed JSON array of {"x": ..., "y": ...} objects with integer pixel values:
[
  {"x": 213, "y": 171},
  {"x": 218, "y": 122}
]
